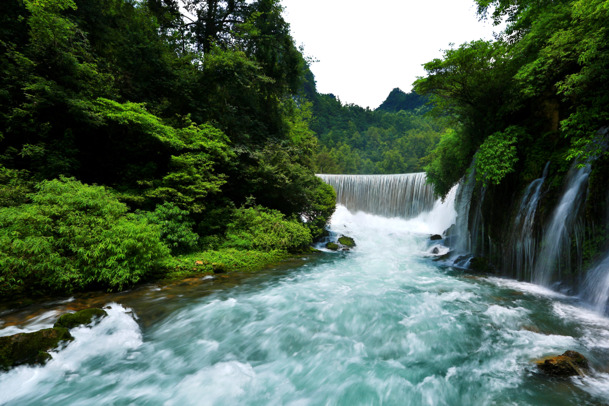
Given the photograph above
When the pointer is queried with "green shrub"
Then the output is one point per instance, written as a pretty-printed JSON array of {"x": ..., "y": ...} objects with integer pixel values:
[
  {"x": 258, "y": 228},
  {"x": 176, "y": 227},
  {"x": 497, "y": 155},
  {"x": 73, "y": 236}
]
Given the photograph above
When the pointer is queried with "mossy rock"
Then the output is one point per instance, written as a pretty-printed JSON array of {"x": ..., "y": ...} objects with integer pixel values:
[
  {"x": 31, "y": 348},
  {"x": 346, "y": 241},
  {"x": 83, "y": 317},
  {"x": 571, "y": 363},
  {"x": 332, "y": 246}
]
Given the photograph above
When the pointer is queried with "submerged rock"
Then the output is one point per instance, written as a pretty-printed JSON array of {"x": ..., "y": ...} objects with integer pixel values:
[
  {"x": 31, "y": 348},
  {"x": 346, "y": 241},
  {"x": 82, "y": 317},
  {"x": 570, "y": 363}
]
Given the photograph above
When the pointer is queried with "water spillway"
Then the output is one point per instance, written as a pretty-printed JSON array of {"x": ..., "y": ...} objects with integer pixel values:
[{"x": 402, "y": 195}]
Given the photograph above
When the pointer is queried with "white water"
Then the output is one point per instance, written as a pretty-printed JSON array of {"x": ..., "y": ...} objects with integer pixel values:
[
  {"x": 522, "y": 245},
  {"x": 402, "y": 195},
  {"x": 555, "y": 251},
  {"x": 378, "y": 325},
  {"x": 596, "y": 286}
]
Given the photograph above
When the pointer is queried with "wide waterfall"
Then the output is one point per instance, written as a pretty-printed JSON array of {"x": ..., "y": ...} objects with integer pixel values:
[{"x": 402, "y": 195}]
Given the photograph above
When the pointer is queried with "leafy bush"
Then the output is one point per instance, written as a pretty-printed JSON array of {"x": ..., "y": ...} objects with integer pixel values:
[
  {"x": 322, "y": 203},
  {"x": 448, "y": 162},
  {"x": 497, "y": 155},
  {"x": 74, "y": 236},
  {"x": 258, "y": 228},
  {"x": 176, "y": 227}
]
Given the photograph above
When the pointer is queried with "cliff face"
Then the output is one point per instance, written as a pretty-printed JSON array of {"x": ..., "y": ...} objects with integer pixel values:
[{"x": 551, "y": 230}]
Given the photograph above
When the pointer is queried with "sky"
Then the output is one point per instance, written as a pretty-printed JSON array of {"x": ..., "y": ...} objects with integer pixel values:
[{"x": 366, "y": 48}]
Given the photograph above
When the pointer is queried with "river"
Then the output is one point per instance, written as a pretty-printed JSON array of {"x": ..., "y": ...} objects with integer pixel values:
[{"x": 382, "y": 324}]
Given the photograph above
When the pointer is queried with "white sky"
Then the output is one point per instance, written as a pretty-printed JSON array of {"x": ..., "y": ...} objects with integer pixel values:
[{"x": 366, "y": 48}]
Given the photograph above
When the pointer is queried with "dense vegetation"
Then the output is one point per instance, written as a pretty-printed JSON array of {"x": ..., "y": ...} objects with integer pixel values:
[
  {"x": 134, "y": 131},
  {"x": 537, "y": 93},
  {"x": 535, "y": 97},
  {"x": 394, "y": 138}
]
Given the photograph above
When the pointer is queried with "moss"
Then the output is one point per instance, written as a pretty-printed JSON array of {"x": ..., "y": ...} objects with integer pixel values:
[
  {"x": 570, "y": 363},
  {"x": 83, "y": 317},
  {"x": 346, "y": 241},
  {"x": 31, "y": 348},
  {"x": 332, "y": 246}
]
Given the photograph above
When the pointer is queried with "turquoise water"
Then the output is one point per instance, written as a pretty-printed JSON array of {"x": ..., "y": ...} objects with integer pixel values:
[{"x": 381, "y": 325}]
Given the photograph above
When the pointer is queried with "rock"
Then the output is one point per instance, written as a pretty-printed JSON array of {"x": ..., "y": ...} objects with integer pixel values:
[
  {"x": 219, "y": 268},
  {"x": 435, "y": 250},
  {"x": 31, "y": 348},
  {"x": 435, "y": 237},
  {"x": 346, "y": 241},
  {"x": 480, "y": 264},
  {"x": 332, "y": 246},
  {"x": 82, "y": 317},
  {"x": 570, "y": 363}
]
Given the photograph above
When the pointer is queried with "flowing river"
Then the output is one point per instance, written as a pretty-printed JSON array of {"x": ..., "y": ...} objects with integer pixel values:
[{"x": 381, "y": 325}]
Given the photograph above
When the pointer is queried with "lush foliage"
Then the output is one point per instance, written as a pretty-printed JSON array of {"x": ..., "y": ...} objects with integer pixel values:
[
  {"x": 395, "y": 138},
  {"x": 265, "y": 229},
  {"x": 497, "y": 156},
  {"x": 180, "y": 111},
  {"x": 540, "y": 87},
  {"x": 73, "y": 236}
]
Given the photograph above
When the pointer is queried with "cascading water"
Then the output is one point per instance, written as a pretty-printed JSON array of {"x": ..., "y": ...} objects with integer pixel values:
[
  {"x": 460, "y": 237},
  {"x": 521, "y": 247},
  {"x": 402, "y": 195},
  {"x": 596, "y": 286},
  {"x": 556, "y": 244}
]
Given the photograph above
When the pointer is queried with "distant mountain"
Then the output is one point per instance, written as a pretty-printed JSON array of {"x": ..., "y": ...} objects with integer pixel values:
[{"x": 399, "y": 100}]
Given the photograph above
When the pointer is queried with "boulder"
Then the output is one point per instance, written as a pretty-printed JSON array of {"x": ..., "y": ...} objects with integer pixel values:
[
  {"x": 332, "y": 246},
  {"x": 435, "y": 237},
  {"x": 346, "y": 241},
  {"x": 570, "y": 363},
  {"x": 31, "y": 348},
  {"x": 80, "y": 318}
]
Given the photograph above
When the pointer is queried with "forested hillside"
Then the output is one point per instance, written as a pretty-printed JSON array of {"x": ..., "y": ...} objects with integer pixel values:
[
  {"x": 394, "y": 138},
  {"x": 131, "y": 131}
]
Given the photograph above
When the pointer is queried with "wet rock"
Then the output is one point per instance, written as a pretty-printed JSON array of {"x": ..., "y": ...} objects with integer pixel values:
[
  {"x": 31, "y": 348},
  {"x": 435, "y": 237},
  {"x": 571, "y": 363},
  {"x": 332, "y": 246},
  {"x": 435, "y": 251},
  {"x": 480, "y": 264},
  {"x": 80, "y": 318},
  {"x": 346, "y": 241}
]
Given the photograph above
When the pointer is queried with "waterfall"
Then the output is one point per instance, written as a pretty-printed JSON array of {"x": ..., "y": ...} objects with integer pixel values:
[
  {"x": 405, "y": 195},
  {"x": 556, "y": 245},
  {"x": 596, "y": 286},
  {"x": 522, "y": 244},
  {"x": 460, "y": 235}
]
